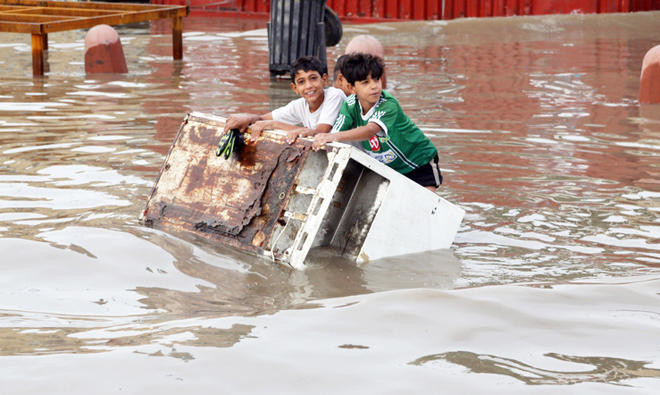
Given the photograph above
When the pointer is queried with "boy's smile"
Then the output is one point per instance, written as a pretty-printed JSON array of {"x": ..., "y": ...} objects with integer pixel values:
[
  {"x": 309, "y": 85},
  {"x": 368, "y": 92}
]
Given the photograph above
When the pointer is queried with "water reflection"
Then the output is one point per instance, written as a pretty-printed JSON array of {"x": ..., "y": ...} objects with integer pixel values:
[
  {"x": 248, "y": 284},
  {"x": 604, "y": 369},
  {"x": 96, "y": 339},
  {"x": 540, "y": 136}
]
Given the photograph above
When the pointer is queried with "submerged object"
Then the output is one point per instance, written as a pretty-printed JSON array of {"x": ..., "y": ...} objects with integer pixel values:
[
  {"x": 649, "y": 80},
  {"x": 280, "y": 200},
  {"x": 103, "y": 51}
]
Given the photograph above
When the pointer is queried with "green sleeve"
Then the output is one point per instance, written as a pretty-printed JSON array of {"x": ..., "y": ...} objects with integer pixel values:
[{"x": 386, "y": 114}]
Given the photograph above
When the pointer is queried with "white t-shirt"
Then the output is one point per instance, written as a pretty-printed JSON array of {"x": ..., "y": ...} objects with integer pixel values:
[{"x": 297, "y": 111}]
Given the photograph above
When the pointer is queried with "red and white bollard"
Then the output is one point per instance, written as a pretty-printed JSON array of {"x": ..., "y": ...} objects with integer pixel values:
[
  {"x": 649, "y": 84},
  {"x": 103, "y": 51}
]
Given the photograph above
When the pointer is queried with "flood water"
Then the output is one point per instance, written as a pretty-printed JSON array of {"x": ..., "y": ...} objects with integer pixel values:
[{"x": 552, "y": 284}]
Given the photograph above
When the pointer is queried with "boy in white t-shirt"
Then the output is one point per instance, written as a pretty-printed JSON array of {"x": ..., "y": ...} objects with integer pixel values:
[{"x": 314, "y": 112}]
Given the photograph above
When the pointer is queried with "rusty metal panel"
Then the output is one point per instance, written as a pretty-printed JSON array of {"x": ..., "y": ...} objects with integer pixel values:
[{"x": 238, "y": 200}]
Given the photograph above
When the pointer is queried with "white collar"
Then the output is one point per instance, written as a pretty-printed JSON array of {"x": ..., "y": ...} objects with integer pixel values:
[{"x": 371, "y": 110}]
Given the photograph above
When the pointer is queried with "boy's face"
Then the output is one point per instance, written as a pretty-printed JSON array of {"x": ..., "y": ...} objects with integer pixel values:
[
  {"x": 309, "y": 85},
  {"x": 368, "y": 91}
]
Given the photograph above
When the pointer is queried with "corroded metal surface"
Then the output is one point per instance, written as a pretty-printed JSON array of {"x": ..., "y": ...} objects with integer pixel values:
[{"x": 238, "y": 200}]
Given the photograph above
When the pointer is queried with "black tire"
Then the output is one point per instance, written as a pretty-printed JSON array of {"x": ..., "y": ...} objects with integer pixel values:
[{"x": 333, "y": 29}]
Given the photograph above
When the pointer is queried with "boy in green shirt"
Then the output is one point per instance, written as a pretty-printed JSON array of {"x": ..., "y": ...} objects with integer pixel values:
[{"x": 374, "y": 117}]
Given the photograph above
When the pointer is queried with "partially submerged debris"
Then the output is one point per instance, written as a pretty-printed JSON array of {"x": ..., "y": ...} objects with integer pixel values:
[{"x": 280, "y": 200}]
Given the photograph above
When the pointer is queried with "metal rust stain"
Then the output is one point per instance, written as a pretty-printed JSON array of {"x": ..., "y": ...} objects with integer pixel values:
[{"x": 237, "y": 201}]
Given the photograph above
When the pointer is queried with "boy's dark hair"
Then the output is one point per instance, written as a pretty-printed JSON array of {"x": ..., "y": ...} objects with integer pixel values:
[
  {"x": 358, "y": 66},
  {"x": 307, "y": 63},
  {"x": 338, "y": 65}
]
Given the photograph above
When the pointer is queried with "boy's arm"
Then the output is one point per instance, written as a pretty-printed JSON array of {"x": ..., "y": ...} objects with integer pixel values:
[
  {"x": 358, "y": 134},
  {"x": 259, "y": 126},
  {"x": 306, "y": 132},
  {"x": 332, "y": 103},
  {"x": 320, "y": 128},
  {"x": 241, "y": 122},
  {"x": 272, "y": 124}
]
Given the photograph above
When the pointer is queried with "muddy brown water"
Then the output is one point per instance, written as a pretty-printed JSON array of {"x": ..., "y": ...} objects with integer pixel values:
[{"x": 552, "y": 284}]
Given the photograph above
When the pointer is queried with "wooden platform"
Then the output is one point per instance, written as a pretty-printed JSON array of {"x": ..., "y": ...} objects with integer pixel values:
[{"x": 39, "y": 18}]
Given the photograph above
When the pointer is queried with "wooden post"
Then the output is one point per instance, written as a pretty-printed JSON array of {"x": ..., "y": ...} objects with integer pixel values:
[
  {"x": 177, "y": 37},
  {"x": 37, "y": 54},
  {"x": 45, "y": 36}
]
